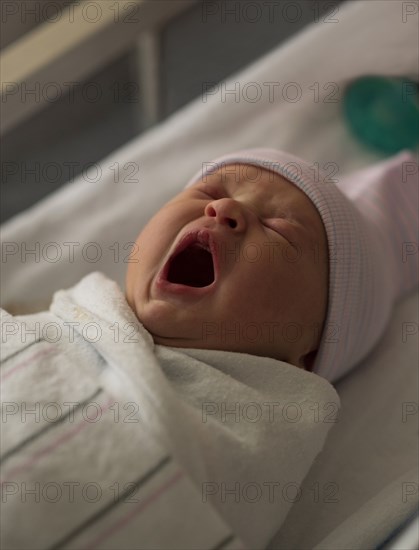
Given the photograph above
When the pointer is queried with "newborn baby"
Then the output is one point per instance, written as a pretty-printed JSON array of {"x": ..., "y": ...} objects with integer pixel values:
[
  {"x": 238, "y": 261},
  {"x": 258, "y": 255}
]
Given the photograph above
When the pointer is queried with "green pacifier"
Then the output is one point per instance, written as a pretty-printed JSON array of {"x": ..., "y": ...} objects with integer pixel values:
[{"x": 383, "y": 112}]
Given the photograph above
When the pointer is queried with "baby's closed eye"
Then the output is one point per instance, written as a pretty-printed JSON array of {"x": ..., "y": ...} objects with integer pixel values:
[{"x": 209, "y": 192}]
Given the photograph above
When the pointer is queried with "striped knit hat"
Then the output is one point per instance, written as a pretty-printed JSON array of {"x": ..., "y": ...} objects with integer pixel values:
[{"x": 371, "y": 222}]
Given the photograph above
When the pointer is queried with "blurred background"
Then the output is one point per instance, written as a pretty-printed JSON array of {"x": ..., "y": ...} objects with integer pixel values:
[{"x": 73, "y": 90}]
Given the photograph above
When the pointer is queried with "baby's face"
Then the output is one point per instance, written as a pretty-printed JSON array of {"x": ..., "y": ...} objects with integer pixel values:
[{"x": 236, "y": 262}]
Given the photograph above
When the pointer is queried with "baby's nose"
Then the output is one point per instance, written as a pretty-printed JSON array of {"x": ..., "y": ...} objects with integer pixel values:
[{"x": 227, "y": 212}]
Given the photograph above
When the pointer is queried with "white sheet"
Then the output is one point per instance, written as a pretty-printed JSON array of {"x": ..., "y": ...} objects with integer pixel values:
[{"x": 369, "y": 38}]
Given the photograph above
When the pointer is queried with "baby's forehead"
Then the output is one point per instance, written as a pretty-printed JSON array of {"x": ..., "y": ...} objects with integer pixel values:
[{"x": 242, "y": 174}]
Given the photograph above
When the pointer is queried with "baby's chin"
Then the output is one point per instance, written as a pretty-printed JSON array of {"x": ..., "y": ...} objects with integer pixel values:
[
  {"x": 158, "y": 321},
  {"x": 172, "y": 337}
]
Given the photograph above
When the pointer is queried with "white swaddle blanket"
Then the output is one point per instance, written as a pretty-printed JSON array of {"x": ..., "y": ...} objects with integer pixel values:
[{"x": 232, "y": 435}]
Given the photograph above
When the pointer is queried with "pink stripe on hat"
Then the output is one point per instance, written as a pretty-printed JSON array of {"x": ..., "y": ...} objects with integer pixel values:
[{"x": 371, "y": 222}]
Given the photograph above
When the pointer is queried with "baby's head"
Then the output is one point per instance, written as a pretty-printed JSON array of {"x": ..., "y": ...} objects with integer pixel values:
[
  {"x": 263, "y": 291},
  {"x": 239, "y": 261}
]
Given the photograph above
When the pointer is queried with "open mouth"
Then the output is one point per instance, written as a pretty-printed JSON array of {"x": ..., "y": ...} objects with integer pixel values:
[{"x": 192, "y": 266}]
